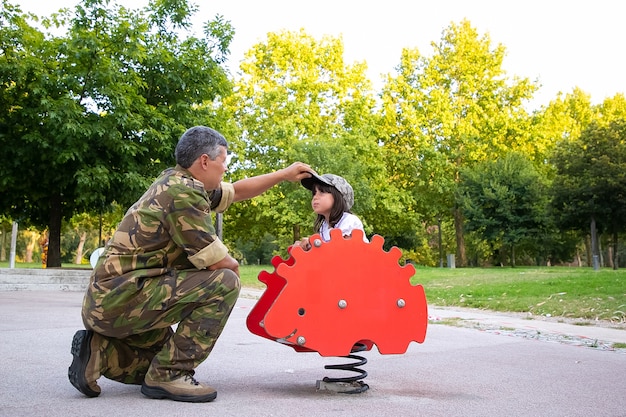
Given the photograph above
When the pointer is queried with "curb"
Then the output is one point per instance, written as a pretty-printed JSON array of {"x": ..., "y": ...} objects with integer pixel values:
[{"x": 52, "y": 279}]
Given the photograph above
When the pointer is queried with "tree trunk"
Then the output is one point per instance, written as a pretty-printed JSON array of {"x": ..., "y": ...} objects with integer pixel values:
[
  {"x": 615, "y": 252},
  {"x": 600, "y": 251},
  {"x": 440, "y": 244},
  {"x": 219, "y": 226},
  {"x": 79, "y": 249},
  {"x": 460, "y": 238},
  {"x": 3, "y": 241},
  {"x": 594, "y": 243},
  {"x": 296, "y": 232},
  {"x": 54, "y": 237},
  {"x": 512, "y": 256}
]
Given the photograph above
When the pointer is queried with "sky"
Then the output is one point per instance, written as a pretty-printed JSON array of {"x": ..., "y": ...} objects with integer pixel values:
[{"x": 562, "y": 44}]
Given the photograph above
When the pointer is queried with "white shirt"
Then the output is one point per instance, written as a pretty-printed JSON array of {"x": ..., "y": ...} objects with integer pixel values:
[{"x": 347, "y": 224}]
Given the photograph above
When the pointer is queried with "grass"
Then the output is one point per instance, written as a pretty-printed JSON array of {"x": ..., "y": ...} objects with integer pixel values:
[
  {"x": 555, "y": 291},
  {"x": 580, "y": 293},
  {"x": 249, "y": 275}
]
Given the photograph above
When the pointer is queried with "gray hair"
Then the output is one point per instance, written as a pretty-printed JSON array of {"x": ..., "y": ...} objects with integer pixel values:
[{"x": 196, "y": 141}]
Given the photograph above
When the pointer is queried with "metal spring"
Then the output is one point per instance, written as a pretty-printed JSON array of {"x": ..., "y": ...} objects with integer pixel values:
[{"x": 351, "y": 384}]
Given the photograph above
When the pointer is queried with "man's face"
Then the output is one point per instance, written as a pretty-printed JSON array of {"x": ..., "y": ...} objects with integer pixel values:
[{"x": 215, "y": 169}]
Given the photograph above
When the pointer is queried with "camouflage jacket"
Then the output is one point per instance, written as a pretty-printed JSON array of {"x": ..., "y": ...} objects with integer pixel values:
[{"x": 169, "y": 227}]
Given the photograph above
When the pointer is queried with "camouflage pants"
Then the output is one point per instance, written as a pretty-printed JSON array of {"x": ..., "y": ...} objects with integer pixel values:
[{"x": 136, "y": 337}]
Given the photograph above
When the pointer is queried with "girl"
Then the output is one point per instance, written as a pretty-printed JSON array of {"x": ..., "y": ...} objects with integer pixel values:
[{"x": 332, "y": 200}]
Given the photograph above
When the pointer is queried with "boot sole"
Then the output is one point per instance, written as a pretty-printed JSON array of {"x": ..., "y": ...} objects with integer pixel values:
[
  {"x": 158, "y": 393},
  {"x": 81, "y": 351}
]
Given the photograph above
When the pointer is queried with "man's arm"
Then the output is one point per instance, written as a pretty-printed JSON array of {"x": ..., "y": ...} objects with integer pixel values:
[
  {"x": 228, "y": 262},
  {"x": 254, "y": 186}
]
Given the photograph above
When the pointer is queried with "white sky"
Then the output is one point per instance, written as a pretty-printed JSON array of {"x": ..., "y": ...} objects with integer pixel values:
[{"x": 561, "y": 43}]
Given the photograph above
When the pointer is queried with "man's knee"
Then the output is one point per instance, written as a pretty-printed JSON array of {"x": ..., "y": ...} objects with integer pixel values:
[
  {"x": 230, "y": 280},
  {"x": 224, "y": 280}
]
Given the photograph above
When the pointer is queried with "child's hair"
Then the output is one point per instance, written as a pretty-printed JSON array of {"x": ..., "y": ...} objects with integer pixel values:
[{"x": 339, "y": 206}]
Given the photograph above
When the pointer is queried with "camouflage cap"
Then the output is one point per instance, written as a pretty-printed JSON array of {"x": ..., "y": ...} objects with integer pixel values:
[{"x": 334, "y": 181}]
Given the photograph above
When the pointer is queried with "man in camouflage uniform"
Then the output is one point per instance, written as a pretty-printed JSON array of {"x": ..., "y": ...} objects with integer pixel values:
[{"x": 165, "y": 266}]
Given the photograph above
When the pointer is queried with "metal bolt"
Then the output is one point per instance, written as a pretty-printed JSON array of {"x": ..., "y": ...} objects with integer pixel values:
[
  {"x": 301, "y": 340},
  {"x": 401, "y": 303},
  {"x": 317, "y": 243},
  {"x": 343, "y": 304}
]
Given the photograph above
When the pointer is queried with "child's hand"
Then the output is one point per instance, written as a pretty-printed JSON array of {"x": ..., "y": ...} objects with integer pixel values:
[{"x": 303, "y": 243}]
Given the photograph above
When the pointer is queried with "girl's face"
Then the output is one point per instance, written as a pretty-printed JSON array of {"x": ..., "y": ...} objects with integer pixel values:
[{"x": 322, "y": 202}]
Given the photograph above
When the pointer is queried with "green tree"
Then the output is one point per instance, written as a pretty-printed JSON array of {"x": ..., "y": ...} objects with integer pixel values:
[
  {"x": 298, "y": 100},
  {"x": 505, "y": 201},
  {"x": 612, "y": 109},
  {"x": 564, "y": 120},
  {"x": 590, "y": 187},
  {"x": 449, "y": 111},
  {"x": 91, "y": 116}
]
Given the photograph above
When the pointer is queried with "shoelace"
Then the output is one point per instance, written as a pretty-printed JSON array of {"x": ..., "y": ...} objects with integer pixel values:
[{"x": 191, "y": 380}]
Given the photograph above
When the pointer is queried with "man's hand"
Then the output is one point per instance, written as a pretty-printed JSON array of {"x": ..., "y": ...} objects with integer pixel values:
[
  {"x": 253, "y": 186},
  {"x": 296, "y": 172},
  {"x": 228, "y": 262}
]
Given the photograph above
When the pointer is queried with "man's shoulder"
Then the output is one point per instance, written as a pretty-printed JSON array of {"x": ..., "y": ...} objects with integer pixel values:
[{"x": 177, "y": 177}]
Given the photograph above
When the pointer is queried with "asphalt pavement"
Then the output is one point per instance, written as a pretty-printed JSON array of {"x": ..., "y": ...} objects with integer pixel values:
[{"x": 472, "y": 363}]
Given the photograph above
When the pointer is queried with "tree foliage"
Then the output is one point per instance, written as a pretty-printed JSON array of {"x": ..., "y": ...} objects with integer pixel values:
[
  {"x": 591, "y": 181},
  {"x": 298, "y": 100},
  {"x": 505, "y": 201},
  {"x": 451, "y": 110},
  {"x": 93, "y": 100},
  {"x": 89, "y": 117}
]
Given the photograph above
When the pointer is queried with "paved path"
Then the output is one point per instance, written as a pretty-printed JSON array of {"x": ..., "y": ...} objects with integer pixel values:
[
  {"x": 603, "y": 336},
  {"x": 457, "y": 371}
]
